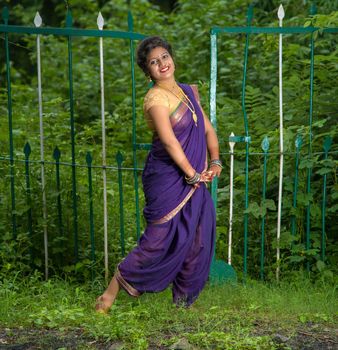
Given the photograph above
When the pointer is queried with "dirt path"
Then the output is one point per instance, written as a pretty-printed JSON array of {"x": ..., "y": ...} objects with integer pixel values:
[{"x": 309, "y": 337}]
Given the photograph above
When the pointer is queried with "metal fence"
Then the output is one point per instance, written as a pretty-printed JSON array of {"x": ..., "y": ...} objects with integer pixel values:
[
  {"x": 55, "y": 201},
  {"x": 249, "y": 31},
  {"x": 69, "y": 33}
]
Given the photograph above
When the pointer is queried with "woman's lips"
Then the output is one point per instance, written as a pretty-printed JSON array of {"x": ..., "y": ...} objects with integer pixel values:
[{"x": 163, "y": 70}]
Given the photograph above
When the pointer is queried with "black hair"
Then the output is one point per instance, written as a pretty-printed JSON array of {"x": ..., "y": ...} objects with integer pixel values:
[{"x": 144, "y": 48}]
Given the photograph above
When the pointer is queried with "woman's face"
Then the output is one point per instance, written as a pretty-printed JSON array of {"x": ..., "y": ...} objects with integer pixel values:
[{"x": 160, "y": 64}]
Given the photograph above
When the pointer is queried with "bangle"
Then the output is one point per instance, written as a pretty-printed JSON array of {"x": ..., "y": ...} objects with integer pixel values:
[
  {"x": 216, "y": 162},
  {"x": 193, "y": 179}
]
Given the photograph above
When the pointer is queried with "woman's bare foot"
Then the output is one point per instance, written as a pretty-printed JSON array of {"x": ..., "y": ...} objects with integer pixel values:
[
  {"x": 103, "y": 304},
  {"x": 106, "y": 300}
]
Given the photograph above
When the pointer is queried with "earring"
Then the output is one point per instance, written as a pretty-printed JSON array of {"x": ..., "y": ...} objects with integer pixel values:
[{"x": 151, "y": 83}]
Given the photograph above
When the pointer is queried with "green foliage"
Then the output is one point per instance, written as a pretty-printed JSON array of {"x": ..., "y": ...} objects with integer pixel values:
[{"x": 187, "y": 28}]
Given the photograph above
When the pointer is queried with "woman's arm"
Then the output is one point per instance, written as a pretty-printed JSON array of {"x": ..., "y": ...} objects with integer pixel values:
[
  {"x": 212, "y": 144},
  {"x": 211, "y": 138},
  {"x": 160, "y": 118}
]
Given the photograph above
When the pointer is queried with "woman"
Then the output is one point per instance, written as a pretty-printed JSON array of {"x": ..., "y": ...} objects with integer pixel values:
[{"x": 177, "y": 245}]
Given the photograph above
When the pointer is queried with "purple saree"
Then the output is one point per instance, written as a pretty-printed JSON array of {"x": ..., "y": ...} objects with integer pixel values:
[{"x": 177, "y": 244}]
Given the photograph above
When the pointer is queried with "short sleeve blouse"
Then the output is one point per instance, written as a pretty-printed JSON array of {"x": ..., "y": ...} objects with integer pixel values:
[{"x": 155, "y": 97}]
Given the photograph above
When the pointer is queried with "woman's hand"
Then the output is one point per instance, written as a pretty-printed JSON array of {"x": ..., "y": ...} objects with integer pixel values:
[
  {"x": 216, "y": 170},
  {"x": 206, "y": 176}
]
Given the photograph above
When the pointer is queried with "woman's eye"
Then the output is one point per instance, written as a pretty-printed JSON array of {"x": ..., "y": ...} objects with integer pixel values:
[
  {"x": 165, "y": 56},
  {"x": 153, "y": 62}
]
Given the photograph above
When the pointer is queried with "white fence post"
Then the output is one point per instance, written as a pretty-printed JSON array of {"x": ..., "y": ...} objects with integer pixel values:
[
  {"x": 100, "y": 24},
  {"x": 37, "y": 23},
  {"x": 281, "y": 146},
  {"x": 232, "y": 156}
]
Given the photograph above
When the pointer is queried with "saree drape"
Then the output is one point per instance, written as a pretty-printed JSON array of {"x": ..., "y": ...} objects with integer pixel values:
[{"x": 178, "y": 243}]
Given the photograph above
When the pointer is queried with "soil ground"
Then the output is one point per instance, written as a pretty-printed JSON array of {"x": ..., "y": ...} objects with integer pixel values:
[{"x": 310, "y": 336}]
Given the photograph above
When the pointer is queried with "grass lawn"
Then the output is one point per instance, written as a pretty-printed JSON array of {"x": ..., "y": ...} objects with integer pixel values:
[{"x": 59, "y": 315}]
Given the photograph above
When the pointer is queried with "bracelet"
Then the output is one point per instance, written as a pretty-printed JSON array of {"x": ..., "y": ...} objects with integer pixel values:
[
  {"x": 193, "y": 179},
  {"x": 216, "y": 162}
]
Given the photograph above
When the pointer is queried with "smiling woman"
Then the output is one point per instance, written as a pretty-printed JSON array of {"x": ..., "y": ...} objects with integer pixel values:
[
  {"x": 178, "y": 243},
  {"x": 160, "y": 63}
]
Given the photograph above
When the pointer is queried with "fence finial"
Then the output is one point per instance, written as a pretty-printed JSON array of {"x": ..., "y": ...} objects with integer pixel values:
[
  {"x": 5, "y": 14},
  {"x": 100, "y": 21},
  {"x": 265, "y": 144},
  {"x": 232, "y": 143},
  {"x": 89, "y": 158},
  {"x": 27, "y": 149},
  {"x": 280, "y": 14},
  {"x": 327, "y": 143},
  {"x": 298, "y": 142},
  {"x": 119, "y": 158},
  {"x": 37, "y": 19},
  {"x": 56, "y": 153}
]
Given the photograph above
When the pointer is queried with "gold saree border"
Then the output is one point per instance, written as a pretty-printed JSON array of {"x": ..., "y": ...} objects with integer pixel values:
[
  {"x": 125, "y": 285},
  {"x": 177, "y": 115},
  {"x": 170, "y": 215}
]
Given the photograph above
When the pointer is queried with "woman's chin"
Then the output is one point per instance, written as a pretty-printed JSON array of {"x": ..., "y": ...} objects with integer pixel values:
[{"x": 166, "y": 76}]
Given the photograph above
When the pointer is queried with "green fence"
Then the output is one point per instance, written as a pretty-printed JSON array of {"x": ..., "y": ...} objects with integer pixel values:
[
  {"x": 249, "y": 31},
  {"x": 69, "y": 34},
  {"x": 70, "y": 198}
]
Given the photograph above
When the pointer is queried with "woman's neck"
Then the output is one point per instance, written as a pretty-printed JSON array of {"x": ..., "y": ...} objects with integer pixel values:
[{"x": 169, "y": 84}]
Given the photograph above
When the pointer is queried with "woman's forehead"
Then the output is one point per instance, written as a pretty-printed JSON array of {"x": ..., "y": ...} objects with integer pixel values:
[{"x": 157, "y": 51}]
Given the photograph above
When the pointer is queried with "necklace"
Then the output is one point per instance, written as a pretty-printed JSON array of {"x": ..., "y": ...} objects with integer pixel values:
[{"x": 185, "y": 99}]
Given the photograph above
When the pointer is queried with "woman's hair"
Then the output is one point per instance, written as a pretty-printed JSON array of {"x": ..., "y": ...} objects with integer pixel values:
[{"x": 144, "y": 48}]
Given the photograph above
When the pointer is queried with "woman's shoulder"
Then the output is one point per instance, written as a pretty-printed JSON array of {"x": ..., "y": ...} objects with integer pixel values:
[
  {"x": 155, "y": 96},
  {"x": 154, "y": 93}
]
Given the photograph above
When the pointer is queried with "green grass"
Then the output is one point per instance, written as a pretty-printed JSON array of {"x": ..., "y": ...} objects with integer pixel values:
[{"x": 224, "y": 317}]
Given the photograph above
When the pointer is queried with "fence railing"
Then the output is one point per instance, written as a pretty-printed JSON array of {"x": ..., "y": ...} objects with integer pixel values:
[
  {"x": 60, "y": 191},
  {"x": 68, "y": 33},
  {"x": 249, "y": 30}
]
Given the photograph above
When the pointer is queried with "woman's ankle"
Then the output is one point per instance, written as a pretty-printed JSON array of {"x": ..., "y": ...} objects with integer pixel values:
[{"x": 108, "y": 298}]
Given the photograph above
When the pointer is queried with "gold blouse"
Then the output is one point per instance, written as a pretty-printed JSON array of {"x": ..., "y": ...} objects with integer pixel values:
[
  {"x": 158, "y": 97},
  {"x": 155, "y": 97}
]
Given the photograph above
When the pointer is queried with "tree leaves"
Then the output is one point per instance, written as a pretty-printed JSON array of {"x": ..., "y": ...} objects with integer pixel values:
[{"x": 258, "y": 211}]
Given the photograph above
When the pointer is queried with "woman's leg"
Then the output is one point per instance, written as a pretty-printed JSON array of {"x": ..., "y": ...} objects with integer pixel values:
[
  {"x": 195, "y": 270},
  {"x": 107, "y": 299}
]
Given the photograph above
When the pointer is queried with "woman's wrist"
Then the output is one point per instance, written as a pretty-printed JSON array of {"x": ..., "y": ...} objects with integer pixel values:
[
  {"x": 192, "y": 180},
  {"x": 190, "y": 173},
  {"x": 216, "y": 162}
]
